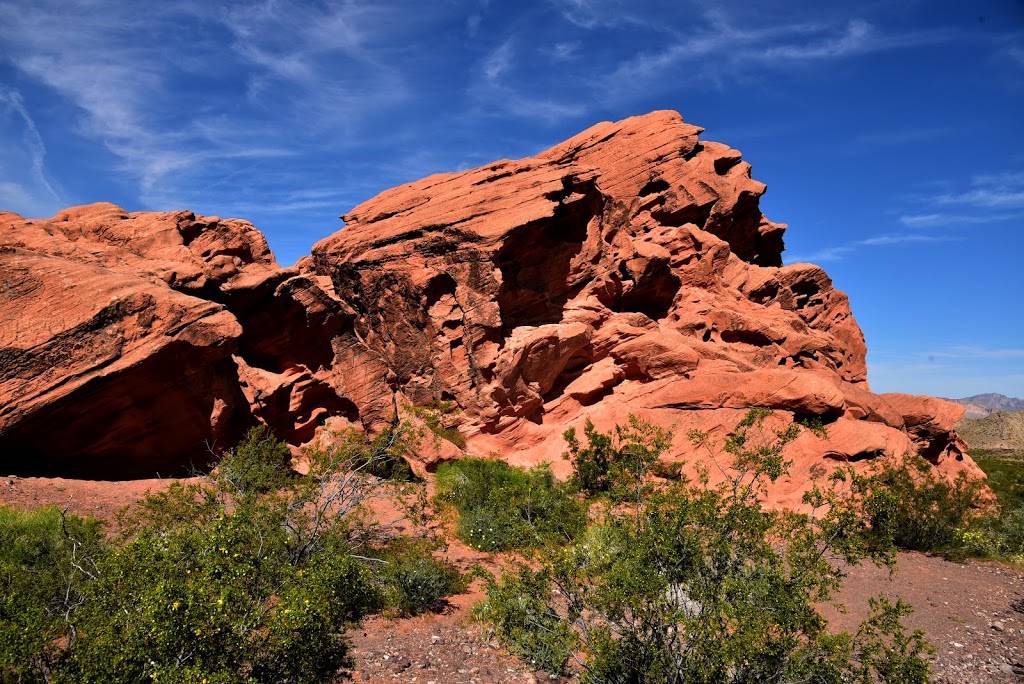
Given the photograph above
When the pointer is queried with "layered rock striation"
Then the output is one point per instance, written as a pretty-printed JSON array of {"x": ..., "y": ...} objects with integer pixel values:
[
  {"x": 124, "y": 339},
  {"x": 626, "y": 270}
]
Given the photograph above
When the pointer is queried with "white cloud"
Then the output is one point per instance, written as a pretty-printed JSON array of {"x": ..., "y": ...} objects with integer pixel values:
[
  {"x": 496, "y": 93},
  {"x": 975, "y": 352},
  {"x": 313, "y": 73},
  {"x": 499, "y": 61},
  {"x": 942, "y": 219},
  {"x": 839, "y": 252},
  {"x": 563, "y": 51},
  {"x": 17, "y": 198},
  {"x": 1015, "y": 54},
  {"x": 949, "y": 371},
  {"x": 857, "y": 37},
  {"x": 718, "y": 47},
  {"x": 44, "y": 196},
  {"x": 989, "y": 191},
  {"x": 592, "y": 14}
]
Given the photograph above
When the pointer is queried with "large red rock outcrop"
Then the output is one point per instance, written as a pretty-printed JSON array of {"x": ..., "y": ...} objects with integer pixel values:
[{"x": 626, "y": 270}]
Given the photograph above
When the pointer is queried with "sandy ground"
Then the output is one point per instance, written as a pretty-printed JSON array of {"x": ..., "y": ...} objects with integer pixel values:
[{"x": 973, "y": 613}]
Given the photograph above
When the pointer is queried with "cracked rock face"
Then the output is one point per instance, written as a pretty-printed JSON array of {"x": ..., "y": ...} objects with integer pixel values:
[{"x": 626, "y": 270}]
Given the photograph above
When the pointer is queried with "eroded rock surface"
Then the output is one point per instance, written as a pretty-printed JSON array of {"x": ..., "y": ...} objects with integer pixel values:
[
  {"x": 626, "y": 270},
  {"x": 121, "y": 337}
]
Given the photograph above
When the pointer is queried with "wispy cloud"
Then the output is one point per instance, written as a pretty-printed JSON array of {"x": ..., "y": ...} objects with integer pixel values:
[
  {"x": 114, "y": 82},
  {"x": 840, "y": 252},
  {"x": 497, "y": 92},
  {"x": 592, "y": 14},
  {"x": 44, "y": 194},
  {"x": 563, "y": 51},
  {"x": 720, "y": 47},
  {"x": 988, "y": 198},
  {"x": 1015, "y": 54},
  {"x": 951, "y": 370},
  {"x": 989, "y": 191},
  {"x": 975, "y": 352},
  {"x": 322, "y": 54},
  {"x": 933, "y": 220},
  {"x": 902, "y": 136},
  {"x": 498, "y": 62},
  {"x": 954, "y": 370}
]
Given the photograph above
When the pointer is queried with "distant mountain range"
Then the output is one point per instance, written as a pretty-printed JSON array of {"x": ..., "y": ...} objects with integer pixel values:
[{"x": 981, "y": 405}]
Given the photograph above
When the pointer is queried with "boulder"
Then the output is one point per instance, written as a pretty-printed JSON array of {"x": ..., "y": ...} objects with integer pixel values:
[{"x": 141, "y": 343}]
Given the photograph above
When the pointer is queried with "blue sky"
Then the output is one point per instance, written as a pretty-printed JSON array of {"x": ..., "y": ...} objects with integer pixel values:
[{"x": 889, "y": 133}]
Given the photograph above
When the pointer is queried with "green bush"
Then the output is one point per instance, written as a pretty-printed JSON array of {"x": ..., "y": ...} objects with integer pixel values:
[
  {"x": 258, "y": 464},
  {"x": 501, "y": 507},
  {"x": 692, "y": 585},
  {"x": 997, "y": 532},
  {"x": 592, "y": 464},
  {"x": 519, "y": 610},
  {"x": 918, "y": 509},
  {"x": 40, "y": 585},
  {"x": 1005, "y": 476},
  {"x": 618, "y": 463},
  {"x": 224, "y": 599},
  {"x": 253, "y": 575},
  {"x": 414, "y": 581}
]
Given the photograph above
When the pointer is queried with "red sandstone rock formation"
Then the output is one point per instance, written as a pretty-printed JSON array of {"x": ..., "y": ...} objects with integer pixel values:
[
  {"x": 626, "y": 270},
  {"x": 117, "y": 342}
]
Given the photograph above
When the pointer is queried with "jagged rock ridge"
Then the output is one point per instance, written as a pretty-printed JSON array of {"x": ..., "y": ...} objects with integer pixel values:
[{"x": 628, "y": 269}]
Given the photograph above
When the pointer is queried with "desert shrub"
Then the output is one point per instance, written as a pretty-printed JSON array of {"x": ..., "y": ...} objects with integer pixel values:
[
  {"x": 592, "y": 463},
  {"x": 258, "y": 464},
  {"x": 253, "y": 575},
  {"x": 40, "y": 584},
  {"x": 693, "y": 585},
  {"x": 438, "y": 419},
  {"x": 246, "y": 578},
  {"x": 414, "y": 581},
  {"x": 814, "y": 424},
  {"x": 920, "y": 510},
  {"x": 917, "y": 508},
  {"x": 996, "y": 531},
  {"x": 226, "y": 599},
  {"x": 617, "y": 463},
  {"x": 382, "y": 456},
  {"x": 519, "y": 610},
  {"x": 997, "y": 535},
  {"x": 502, "y": 507}
]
